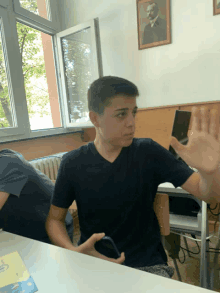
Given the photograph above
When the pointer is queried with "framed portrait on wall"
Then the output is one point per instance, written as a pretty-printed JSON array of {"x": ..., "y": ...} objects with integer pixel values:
[
  {"x": 153, "y": 23},
  {"x": 216, "y": 7}
]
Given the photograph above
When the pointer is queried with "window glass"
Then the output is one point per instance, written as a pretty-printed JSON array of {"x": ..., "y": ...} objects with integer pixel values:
[
  {"x": 39, "y": 77},
  {"x": 6, "y": 119},
  {"x": 39, "y": 7},
  {"x": 77, "y": 54}
]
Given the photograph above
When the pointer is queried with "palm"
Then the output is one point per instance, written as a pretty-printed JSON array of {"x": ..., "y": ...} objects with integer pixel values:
[{"x": 203, "y": 149}]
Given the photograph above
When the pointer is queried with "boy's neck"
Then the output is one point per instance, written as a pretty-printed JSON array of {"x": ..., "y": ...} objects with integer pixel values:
[{"x": 107, "y": 151}]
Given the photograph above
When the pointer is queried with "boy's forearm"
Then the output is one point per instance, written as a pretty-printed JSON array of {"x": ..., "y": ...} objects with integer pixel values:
[
  {"x": 57, "y": 233},
  {"x": 209, "y": 186}
]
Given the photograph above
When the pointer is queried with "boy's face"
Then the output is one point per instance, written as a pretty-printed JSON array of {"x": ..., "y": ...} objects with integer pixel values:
[{"x": 117, "y": 125}]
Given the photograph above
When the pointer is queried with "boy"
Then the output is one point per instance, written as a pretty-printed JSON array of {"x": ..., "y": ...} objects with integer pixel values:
[{"x": 114, "y": 181}]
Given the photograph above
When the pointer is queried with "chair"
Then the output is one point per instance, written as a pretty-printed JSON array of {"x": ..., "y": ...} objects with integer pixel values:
[{"x": 170, "y": 241}]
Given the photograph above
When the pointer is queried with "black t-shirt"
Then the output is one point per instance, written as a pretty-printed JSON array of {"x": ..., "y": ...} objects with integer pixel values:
[
  {"x": 28, "y": 204},
  {"x": 117, "y": 198}
]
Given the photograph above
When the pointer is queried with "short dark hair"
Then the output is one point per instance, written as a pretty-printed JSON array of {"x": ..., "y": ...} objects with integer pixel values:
[{"x": 104, "y": 89}]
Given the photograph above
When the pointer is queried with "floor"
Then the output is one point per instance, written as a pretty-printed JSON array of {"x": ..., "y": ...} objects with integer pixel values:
[{"x": 189, "y": 270}]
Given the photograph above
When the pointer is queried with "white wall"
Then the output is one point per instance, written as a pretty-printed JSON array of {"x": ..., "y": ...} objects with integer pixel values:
[{"x": 185, "y": 71}]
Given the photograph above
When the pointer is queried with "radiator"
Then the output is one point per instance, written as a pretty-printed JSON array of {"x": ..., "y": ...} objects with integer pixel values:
[{"x": 48, "y": 165}]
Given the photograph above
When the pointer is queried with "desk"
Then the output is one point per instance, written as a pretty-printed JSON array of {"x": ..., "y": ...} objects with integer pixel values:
[
  {"x": 204, "y": 278},
  {"x": 56, "y": 270}
]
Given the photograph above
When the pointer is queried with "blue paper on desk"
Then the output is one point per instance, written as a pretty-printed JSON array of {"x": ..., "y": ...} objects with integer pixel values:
[{"x": 14, "y": 277}]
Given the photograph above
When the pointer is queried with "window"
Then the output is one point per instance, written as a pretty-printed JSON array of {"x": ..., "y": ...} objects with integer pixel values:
[
  {"x": 41, "y": 8},
  {"x": 38, "y": 11},
  {"x": 80, "y": 66},
  {"x": 45, "y": 78},
  {"x": 6, "y": 117},
  {"x": 4, "y": 3},
  {"x": 11, "y": 114},
  {"x": 39, "y": 78}
]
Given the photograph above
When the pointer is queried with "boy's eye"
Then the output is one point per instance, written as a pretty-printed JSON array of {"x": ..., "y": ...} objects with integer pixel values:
[{"x": 121, "y": 114}]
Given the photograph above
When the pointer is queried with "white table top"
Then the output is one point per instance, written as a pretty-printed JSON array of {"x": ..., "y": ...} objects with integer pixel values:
[
  {"x": 56, "y": 269},
  {"x": 169, "y": 187},
  {"x": 168, "y": 184}
]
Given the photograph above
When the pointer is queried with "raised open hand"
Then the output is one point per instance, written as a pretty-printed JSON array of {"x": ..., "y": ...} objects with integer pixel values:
[{"x": 203, "y": 148}]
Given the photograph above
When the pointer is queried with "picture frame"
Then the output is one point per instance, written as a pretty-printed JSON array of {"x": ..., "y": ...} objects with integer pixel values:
[
  {"x": 153, "y": 23},
  {"x": 216, "y": 7}
]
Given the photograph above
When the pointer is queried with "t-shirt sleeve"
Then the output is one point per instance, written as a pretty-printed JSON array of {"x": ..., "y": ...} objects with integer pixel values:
[
  {"x": 63, "y": 195},
  {"x": 168, "y": 168},
  {"x": 12, "y": 177}
]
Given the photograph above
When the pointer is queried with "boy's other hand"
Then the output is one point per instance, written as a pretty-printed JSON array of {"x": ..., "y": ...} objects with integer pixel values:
[{"x": 88, "y": 248}]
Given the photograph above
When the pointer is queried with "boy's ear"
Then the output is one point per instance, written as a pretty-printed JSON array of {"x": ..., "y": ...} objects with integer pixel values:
[{"x": 94, "y": 118}]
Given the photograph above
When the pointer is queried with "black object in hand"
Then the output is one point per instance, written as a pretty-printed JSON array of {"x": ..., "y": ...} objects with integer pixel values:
[{"x": 107, "y": 247}]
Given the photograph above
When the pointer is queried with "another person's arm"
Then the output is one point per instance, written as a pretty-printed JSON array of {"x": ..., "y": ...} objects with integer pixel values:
[{"x": 3, "y": 198}]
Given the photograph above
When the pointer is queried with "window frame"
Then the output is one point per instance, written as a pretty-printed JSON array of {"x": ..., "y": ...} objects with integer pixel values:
[
  {"x": 10, "y": 16},
  {"x": 52, "y": 25},
  {"x": 97, "y": 61},
  {"x": 4, "y": 3},
  {"x": 14, "y": 78},
  {"x": 16, "y": 81}
]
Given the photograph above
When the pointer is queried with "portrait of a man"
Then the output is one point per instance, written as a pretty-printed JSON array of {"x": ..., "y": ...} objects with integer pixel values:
[
  {"x": 156, "y": 29},
  {"x": 216, "y": 7},
  {"x": 153, "y": 23}
]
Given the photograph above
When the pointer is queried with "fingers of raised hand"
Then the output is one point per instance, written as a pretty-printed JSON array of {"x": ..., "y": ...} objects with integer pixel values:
[
  {"x": 214, "y": 123},
  {"x": 195, "y": 119},
  {"x": 205, "y": 120},
  {"x": 204, "y": 114}
]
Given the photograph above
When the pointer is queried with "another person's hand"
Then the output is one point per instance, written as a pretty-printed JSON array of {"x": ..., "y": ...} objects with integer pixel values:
[{"x": 88, "y": 248}]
